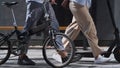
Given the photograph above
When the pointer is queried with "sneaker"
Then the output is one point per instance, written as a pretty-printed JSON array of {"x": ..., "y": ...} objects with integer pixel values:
[
  {"x": 101, "y": 59},
  {"x": 25, "y": 61},
  {"x": 64, "y": 59},
  {"x": 57, "y": 57}
]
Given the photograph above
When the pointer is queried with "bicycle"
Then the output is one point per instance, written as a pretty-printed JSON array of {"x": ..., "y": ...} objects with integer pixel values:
[{"x": 8, "y": 47}]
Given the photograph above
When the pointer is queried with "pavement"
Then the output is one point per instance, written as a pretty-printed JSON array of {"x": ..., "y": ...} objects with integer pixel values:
[{"x": 36, "y": 55}]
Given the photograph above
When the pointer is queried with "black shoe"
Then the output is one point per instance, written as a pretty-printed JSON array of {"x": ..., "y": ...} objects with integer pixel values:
[
  {"x": 25, "y": 61},
  {"x": 64, "y": 59},
  {"x": 76, "y": 57}
]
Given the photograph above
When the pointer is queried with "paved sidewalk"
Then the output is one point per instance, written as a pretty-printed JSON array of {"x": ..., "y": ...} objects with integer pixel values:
[{"x": 36, "y": 55}]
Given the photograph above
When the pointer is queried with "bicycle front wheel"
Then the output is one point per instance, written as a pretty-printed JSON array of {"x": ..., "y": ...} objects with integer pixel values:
[
  {"x": 4, "y": 49},
  {"x": 50, "y": 51}
]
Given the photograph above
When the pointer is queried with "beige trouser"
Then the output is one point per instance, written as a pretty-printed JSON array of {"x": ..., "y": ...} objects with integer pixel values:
[{"x": 85, "y": 24}]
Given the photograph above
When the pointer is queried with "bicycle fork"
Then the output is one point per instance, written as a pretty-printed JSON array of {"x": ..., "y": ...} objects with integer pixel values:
[{"x": 56, "y": 40}]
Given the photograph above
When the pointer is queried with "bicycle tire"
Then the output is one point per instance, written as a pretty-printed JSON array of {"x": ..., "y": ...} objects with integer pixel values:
[
  {"x": 49, "y": 49},
  {"x": 4, "y": 49},
  {"x": 117, "y": 53}
]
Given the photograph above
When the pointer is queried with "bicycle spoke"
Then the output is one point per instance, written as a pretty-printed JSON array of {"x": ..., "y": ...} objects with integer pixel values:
[
  {"x": 52, "y": 54},
  {"x": 4, "y": 49}
]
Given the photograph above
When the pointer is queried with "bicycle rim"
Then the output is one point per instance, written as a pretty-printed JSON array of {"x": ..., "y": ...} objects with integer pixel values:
[
  {"x": 4, "y": 49},
  {"x": 51, "y": 55}
]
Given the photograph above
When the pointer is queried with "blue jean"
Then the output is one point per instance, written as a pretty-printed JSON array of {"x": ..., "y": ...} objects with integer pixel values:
[{"x": 35, "y": 13}]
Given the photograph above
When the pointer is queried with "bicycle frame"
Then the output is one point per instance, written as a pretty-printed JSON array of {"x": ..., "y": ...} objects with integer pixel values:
[
  {"x": 21, "y": 40},
  {"x": 17, "y": 32}
]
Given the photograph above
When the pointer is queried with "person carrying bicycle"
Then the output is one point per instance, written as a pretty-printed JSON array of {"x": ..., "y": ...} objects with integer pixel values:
[{"x": 33, "y": 16}]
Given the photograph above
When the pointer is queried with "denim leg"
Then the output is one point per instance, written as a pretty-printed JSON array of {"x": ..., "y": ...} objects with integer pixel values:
[
  {"x": 55, "y": 25},
  {"x": 54, "y": 22},
  {"x": 34, "y": 13}
]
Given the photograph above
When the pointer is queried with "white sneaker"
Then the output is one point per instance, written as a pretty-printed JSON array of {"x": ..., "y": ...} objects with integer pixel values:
[
  {"x": 101, "y": 59},
  {"x": 57, "y": 57}
]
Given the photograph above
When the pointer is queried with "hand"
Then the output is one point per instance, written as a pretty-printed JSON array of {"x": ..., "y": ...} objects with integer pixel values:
[
  {"x": 53, "y": 2},
  {"x": 65, "y": 3}
]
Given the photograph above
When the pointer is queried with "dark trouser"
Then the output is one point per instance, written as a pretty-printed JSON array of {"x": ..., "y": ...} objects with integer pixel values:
[{"x": 34, "y": 13}]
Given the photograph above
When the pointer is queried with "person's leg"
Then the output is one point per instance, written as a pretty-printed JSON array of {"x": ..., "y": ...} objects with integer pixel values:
[
  {"x": 55, "y": 25},
  {"x": 71, "y": 31},
  {"x": 87, "y": 26},
  {"x": 23, "y": 59},
  {"x": 33, "y": 15},
  {"x": 54, "y": 21}
]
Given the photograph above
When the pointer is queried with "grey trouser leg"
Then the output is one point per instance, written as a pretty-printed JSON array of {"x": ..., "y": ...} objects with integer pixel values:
[
  {"x": 34, "y": 13},
  {"x": 55, "y": 25}
]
